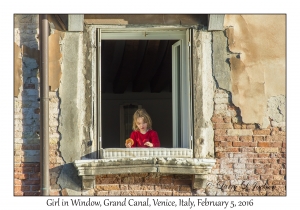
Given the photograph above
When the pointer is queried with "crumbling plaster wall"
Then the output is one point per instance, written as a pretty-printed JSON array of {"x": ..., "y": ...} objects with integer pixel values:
[
  {"x": 203, "y": 93},
  {"x": 257, "y": 44},
  {"x": 75, "y": 119}
]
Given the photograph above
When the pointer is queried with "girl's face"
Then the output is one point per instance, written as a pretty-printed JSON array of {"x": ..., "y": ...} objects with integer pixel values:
[{"x": 141, "y": 125}]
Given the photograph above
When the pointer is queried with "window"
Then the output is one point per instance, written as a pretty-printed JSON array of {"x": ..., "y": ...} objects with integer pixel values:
[{"x": 149, "y": 68}]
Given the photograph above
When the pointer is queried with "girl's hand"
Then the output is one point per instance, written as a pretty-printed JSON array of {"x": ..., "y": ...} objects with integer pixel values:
[
  {"x": 148, "y": 144},
  {"x": 128, "y": 145}
]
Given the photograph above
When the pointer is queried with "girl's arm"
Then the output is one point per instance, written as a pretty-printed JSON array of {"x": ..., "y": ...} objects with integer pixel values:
[{"x": 154, "y": 139}]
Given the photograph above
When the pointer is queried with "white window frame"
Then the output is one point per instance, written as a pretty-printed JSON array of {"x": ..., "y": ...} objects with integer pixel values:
[{"x": 182, "y": 111}]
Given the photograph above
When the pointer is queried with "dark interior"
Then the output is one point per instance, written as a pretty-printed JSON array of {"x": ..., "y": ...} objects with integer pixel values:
[
  {"x": 136, "y": 65},
  {"x": 137, "y": 70}
]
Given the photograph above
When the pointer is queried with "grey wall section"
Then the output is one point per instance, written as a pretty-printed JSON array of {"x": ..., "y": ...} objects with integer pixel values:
[
  {"x": 76, "y": 105},
  {"x": 221, "y": 68},
  {"x": 203, "y": 93},
  {"x": 70, "y": 125}
]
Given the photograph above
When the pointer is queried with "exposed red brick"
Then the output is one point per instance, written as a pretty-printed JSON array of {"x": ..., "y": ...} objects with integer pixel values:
[
  {"x": 219, "y": 138},
  {"x": 261, "y": 160},
  {"x": 276, "y": 144},
  {"x": 251, "y": 155},
  {"x": 227, "y": 119},
  {"x": 260, "y": 171},
  {"x": 17, "y": 159},
  {"x": 21, "y": 176},
  {"x": 35, "y": 188},
  {"x": 186, "y": 188},
  {"x": 246, "y": 149},
  {"x": 221, "y": 154},
  {"x": 17, "y": 182},
  {"x": 253, "y": 177},
  {"x": 31, "y": 182},
  {"x": 54, "y": 192},
  {"x": 222, "y": 125},
  {"x": 237, "y": 126},
  {"x": 263, "y": 144},
  {"x": 282, "y": 133},
  {"x": 23, "y": 169},
  {"x": 18, "y": 193},
  {"x": 112, "y": 180},
  {"x": 244, "y": 126},
  {"x": 220, "y": 132},
  {"x": 263, "y": 155},
  {"x": 225, "y": 149},
  {"x": 266, "y": 177},
  {"x": 246, "y": 138},
  {"x": 251, "y": 126},
  {"x": 149, "y": 180},
  {"x": 258, "y": 138},
  {"x": 182, "y": 182},
  {"x": 231, "y": 138},
  {"x": 108, "y": 187},
  {"x": 23, "y": 188},
  {"x": 166, "y": 180},
  {"x": 276, "y": 182},
  {"x": 223, "y": 144},
  {"x": 282, "y": 171},
  {"x": 261, "y": 132},
  {"x": 217, "y": 119},
  {"x": 29, "y": 164},
  {"x": 282, "y": 160},
  {"x": 239, "y": 144}
]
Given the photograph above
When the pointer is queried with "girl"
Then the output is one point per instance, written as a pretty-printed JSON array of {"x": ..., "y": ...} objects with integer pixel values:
[{"x": 142, "y": 134}]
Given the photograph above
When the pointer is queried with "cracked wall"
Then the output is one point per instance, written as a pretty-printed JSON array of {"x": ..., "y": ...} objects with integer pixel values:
[{"x": 258, "y": 49}]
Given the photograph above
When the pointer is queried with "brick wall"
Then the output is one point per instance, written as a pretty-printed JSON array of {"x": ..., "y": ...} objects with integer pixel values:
[
  {"x": 142, "y": 184},
  {"x": 27, "y": 116},
  {"x": 247, "y": 156}
]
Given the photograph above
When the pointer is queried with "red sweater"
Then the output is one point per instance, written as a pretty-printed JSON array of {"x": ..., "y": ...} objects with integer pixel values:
[{"x": 140, "y": 139}]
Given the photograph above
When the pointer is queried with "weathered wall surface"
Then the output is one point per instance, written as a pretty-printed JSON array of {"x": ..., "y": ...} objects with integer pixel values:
[
  {"x": 258, "y": 44},
  {"x": 27, "y": 108},
  {"x": 140, "y": 184},
  {"x": 240, "y": 85},
  {"x": 203, "y": 93},
  {"x": 250, "y": 160},
  {"x": 249, "y": 107}
]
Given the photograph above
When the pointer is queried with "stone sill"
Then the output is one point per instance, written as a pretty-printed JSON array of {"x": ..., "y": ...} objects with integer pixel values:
[
  {"x": 144, "y": 165},
  {"x": 88, "y": 169}
]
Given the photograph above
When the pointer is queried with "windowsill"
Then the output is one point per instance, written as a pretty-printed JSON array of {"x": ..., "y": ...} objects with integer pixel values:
[
  {"x": 136, "y": 152},
  {"x": 144, "y": 165},
  {"x": 199, "y": 168}
]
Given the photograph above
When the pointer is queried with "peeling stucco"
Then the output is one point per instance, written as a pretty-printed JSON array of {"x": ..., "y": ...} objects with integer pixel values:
[
  {"x": 258, "y": 44},
  {"x": 55, "y": 59},
  {"x": 276, "y": 112},
  {"x": 17, "y": 69},
  {"x": 203, "y": 93}
]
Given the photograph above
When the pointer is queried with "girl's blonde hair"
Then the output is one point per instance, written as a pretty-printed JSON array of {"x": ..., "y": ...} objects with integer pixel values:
[{"x": 141, "y": 113}]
